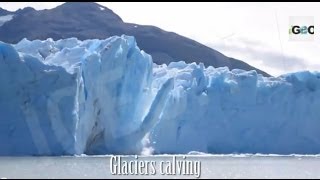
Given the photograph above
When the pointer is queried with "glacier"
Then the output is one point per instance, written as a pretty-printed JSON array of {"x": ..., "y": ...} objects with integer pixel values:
[{"x": 71, "y": 97}]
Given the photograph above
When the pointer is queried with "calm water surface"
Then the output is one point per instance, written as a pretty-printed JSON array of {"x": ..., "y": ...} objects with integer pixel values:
[{"x": 211, "y": 167}]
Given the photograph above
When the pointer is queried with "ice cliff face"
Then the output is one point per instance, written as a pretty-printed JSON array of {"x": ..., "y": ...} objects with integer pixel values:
[
  {"x": 222, "y": 111},
  {"x": 72, "y": 97},
  {"x": 107, "y": 97}
]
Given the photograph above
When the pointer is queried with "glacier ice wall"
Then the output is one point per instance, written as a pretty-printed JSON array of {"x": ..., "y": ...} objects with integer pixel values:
[
  {"x": 107, "y": 97},
  {"x": 221, "y": 111},
  {"x": 36, "y": 106},
  {"x": 73, "y": 97}
]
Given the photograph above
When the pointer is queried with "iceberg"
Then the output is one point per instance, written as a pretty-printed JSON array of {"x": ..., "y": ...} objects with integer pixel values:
[{"x": 72, "y": 97}]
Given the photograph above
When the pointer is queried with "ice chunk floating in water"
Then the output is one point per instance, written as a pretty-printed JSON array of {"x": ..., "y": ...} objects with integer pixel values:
[{"x": 70, "y": 97}]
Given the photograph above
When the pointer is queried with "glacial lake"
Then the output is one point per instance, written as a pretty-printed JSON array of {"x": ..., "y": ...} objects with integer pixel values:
[{"x": 212, "y": 166}]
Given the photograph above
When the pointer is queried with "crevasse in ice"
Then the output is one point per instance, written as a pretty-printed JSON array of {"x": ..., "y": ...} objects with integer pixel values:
[{"x": 70, "y": 97}]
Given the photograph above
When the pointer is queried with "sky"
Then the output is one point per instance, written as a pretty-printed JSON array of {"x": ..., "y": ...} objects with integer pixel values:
[{"x": 256, "y": 33}]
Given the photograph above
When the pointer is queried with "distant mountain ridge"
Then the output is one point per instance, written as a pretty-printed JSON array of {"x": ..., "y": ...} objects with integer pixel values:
[
  {"x": 88, "y": 20},
  {"x": 4, "y": 12}
]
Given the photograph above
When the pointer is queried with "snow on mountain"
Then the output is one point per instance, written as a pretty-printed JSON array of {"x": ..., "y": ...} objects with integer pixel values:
[
  {"x": 106, "y": 97},
  {"x": 5, "y": 18}
]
